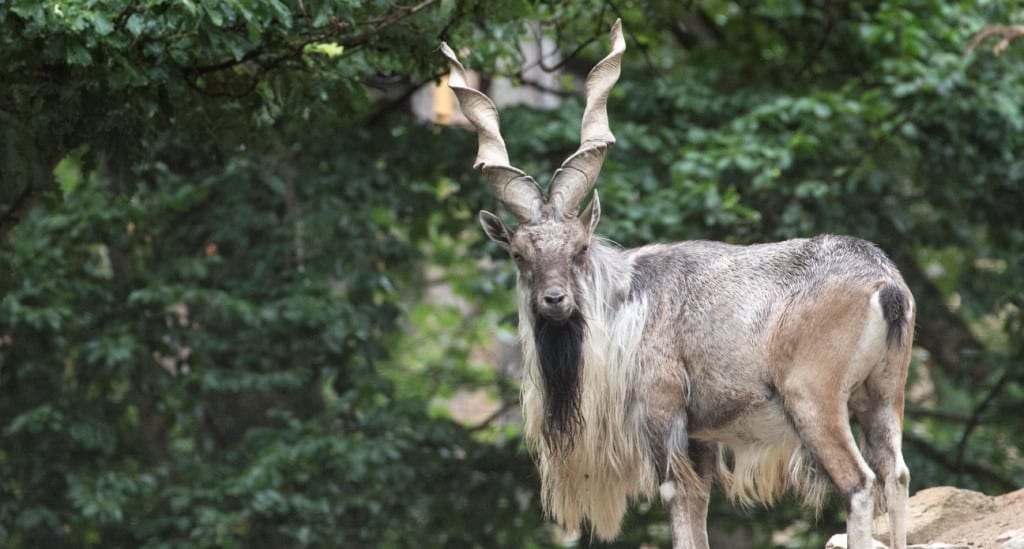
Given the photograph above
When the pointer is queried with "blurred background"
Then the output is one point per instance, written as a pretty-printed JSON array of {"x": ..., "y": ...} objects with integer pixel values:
[{"x": 244, "y": 300}]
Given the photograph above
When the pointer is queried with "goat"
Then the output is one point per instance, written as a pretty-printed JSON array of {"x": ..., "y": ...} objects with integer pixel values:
[{"x": 645, "y": 368}]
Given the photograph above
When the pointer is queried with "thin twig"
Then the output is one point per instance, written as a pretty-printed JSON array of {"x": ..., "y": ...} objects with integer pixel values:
[
  {"x": 505, "y": 407},
  {"x": 975, "y": 419},
  {"x": 375, "y": 117},
  {"x": 936, "y": 414},
  {"x": 560, "y": 92},
  {"x": 560, "y": 64},
  {"x": 830, "y": 21}
]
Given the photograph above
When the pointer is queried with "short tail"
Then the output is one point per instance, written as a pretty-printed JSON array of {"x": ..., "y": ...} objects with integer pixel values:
[{"x": 895, "y": 308}]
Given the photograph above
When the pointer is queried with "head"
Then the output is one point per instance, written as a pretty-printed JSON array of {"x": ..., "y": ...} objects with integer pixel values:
[
  {"x": 551, "y": 241},
  {"x": 548, "y": 252},
  {"x": 552, "y": 238}
]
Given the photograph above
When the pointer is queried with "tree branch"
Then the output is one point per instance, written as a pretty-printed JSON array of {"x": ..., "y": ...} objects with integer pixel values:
[
  {"x": 545, "y": 89},
  {"x": 295, "y": 50},
  {"x": 812, "y": 56},
  {"x": 938, "y": 329},
  {"x": 384, "y": 22},
  {"x": 918, "y": 412},
  {"x": 390, "y": 106},
  {"x": 502, "y": 410},
  {"x": 701, "y": 26},
  {"x": 975, "y": 419},
  {"x": 968, "y": 468},
  {"x": 555, "y": 67},
  {"x": 226, "y": 64},
  {"x": 18, "y": 209},
  {"x": 1006, "y": 33}
]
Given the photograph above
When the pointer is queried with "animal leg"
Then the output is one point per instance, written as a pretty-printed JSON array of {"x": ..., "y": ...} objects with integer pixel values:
[
  {"x": 687, "y": 499},
  {"x": 882, "y": 427},
  {"x": 878, "y": 405},
  {"x": 822, "y": 422}
]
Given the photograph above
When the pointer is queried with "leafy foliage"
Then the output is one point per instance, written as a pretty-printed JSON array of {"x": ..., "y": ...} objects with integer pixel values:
[{"x": 221, "y": 227}]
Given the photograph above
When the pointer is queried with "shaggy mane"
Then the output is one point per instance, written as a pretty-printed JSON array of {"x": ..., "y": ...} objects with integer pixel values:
[{"x": 581, "y": 421}]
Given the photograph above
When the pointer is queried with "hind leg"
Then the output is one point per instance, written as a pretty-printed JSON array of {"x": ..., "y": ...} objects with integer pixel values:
[
  {"x": 882, "y": 425},
  {"x": 878, "y": 405},
  {"x": 822, "y": 422},
  {"x": 831, "y": 348}
]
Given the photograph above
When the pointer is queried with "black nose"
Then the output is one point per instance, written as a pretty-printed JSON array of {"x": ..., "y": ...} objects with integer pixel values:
[{"x": 554, "y": 297}]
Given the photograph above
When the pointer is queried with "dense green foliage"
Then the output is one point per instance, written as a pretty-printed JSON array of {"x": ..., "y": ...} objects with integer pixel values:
[{"x": 220, "y": 222}]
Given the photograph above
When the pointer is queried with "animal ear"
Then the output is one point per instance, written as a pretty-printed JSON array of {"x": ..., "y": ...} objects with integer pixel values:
[
  {"x": 592, "y": 214},
  {"x": 495, "y": 228}
]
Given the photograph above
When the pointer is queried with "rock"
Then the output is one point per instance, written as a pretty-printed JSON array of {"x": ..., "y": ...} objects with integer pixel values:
[
  {"x": 984, "y": 527},
  {"x": 1013, "y": 539},
  {"x": 1010, "y": 535},
  {"x": 934, "y": 510},
  {"x": 838, "y": 541},
  {"x": 952, "y": 518}
]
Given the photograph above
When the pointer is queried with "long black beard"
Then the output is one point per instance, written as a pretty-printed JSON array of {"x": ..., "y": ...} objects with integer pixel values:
[{"x": 560, "y": 351}]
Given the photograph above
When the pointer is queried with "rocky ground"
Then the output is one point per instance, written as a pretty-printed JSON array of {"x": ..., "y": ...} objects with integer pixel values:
[{"x": 953, "y": 518}]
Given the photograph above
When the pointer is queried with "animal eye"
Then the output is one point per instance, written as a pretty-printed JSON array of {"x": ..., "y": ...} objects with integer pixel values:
[{"x": 517, "y": 256}]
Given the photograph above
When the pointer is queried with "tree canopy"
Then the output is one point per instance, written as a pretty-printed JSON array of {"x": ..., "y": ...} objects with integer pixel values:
[{"x": 222, "y": 226}]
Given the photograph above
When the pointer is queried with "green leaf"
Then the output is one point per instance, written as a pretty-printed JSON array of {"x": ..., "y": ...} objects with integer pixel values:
[
  {"x": 330, "y": 49},
  {"x": 68, "y": 171},
  {"x": 101, "y": 24},
  {"x": 79, "y": 55},
  {"x": 28, "y": 9},
  {"x": 135, "y": 24},
  {"x": 214, "y": 13}
]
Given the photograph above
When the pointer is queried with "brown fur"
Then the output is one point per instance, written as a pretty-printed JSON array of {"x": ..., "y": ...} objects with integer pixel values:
[
  {"x": 694, "y": 352},
  {"x": 762, "y": 350}
]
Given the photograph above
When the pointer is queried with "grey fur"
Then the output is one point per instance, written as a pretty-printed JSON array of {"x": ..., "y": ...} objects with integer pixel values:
[{"x": 697, "y": 350}]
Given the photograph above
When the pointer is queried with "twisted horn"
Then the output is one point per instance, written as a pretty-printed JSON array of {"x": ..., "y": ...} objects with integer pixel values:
[
  {"x": 516, "y": 190},
  {"x": 579, "y": 172}
]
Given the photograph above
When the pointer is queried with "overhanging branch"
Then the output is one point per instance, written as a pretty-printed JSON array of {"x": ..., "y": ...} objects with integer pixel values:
[
  {"x": 1006, "y": 34},
  {"x": 334, "y": 32}
]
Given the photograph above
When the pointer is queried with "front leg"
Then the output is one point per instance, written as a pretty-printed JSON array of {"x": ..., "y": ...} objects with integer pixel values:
[{"x": 687, "y": 495}]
